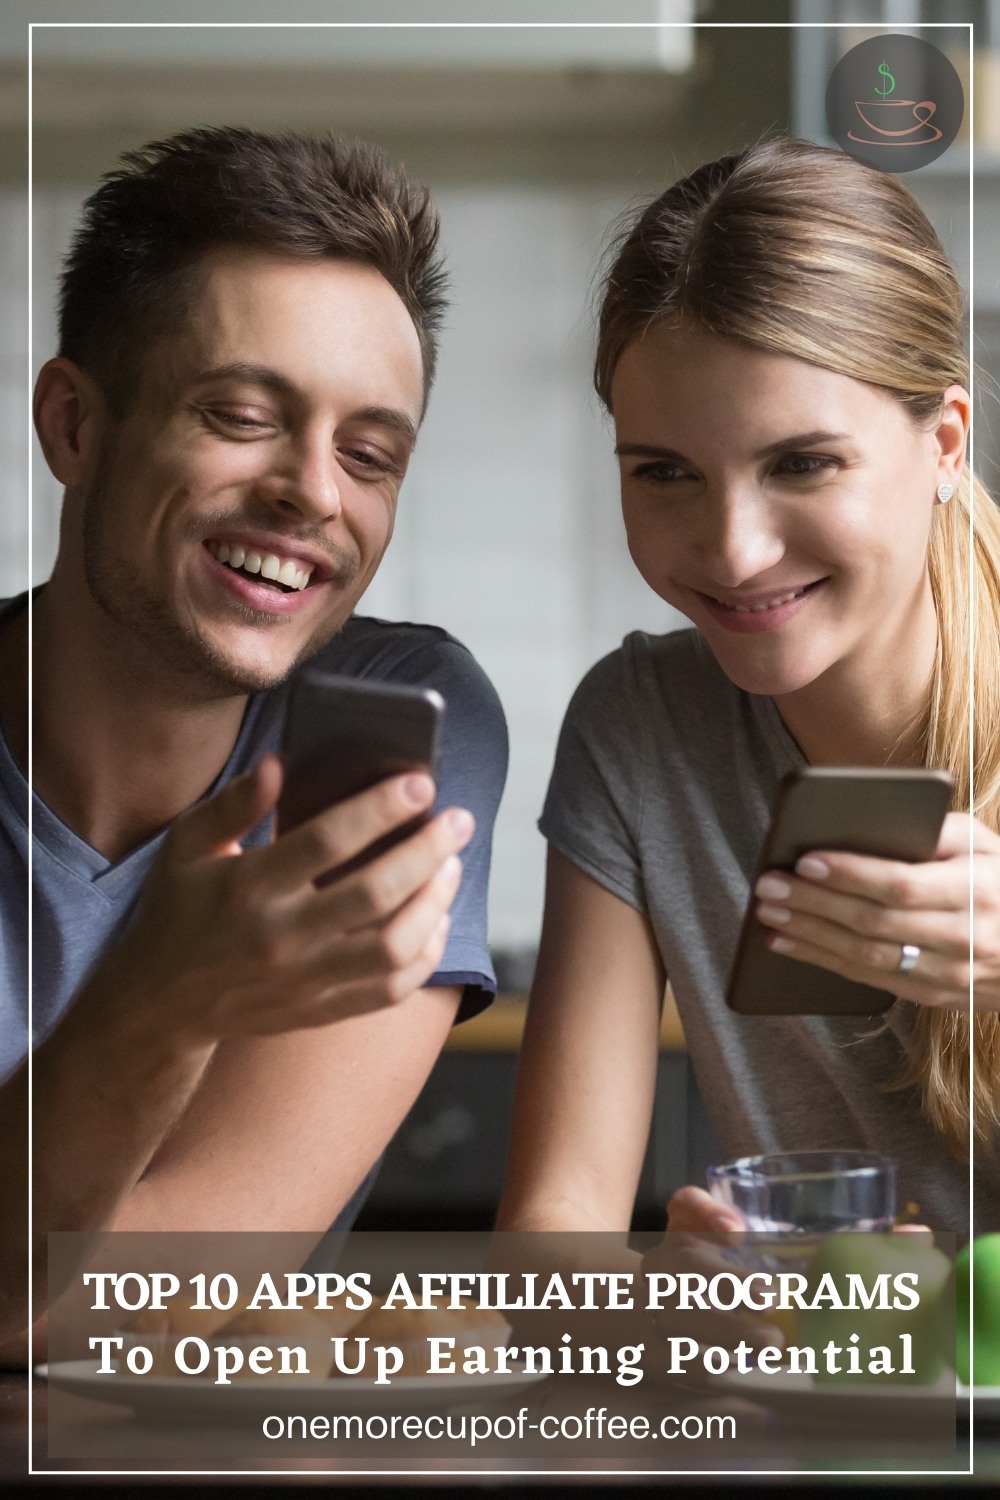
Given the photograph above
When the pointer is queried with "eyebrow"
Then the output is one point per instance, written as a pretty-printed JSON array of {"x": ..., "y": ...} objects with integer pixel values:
[
  {"x": 273, "y": 380},
  {"x": 800, "y": 440}
]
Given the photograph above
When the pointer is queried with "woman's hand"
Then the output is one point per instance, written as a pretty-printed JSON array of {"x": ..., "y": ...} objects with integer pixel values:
[
  {"x": 854, "y": 914},
  {"x": 693, "y": 1211}
]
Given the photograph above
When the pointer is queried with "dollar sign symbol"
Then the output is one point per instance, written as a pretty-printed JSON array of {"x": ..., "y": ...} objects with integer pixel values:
[{"x": 890, "y": 82}]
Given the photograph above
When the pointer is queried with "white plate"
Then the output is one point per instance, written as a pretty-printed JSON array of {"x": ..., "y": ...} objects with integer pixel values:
[
  {"x": 191, "y": 1398},
  {"x": 801, "y": 1397},
  {"x": 987, "y": 1402}
]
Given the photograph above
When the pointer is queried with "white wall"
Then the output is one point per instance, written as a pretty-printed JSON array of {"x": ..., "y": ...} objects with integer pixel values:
[
  {"x": 14, "y": 386},
  {"x": 508, "y": 532}
]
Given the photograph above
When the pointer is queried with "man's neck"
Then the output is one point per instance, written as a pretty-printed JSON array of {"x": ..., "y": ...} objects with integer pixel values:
[{"x": 119, "y": 747}]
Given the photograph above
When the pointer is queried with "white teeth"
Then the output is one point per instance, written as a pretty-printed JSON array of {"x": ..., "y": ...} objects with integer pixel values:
[
  {"x": 269, "y": 565},
  {"x": 759, "y": 609}
]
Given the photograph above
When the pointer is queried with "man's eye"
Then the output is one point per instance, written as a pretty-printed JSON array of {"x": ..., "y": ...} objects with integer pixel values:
[
  {"x": 364, "y": 458},
  {"x": 238, "y": 421}
]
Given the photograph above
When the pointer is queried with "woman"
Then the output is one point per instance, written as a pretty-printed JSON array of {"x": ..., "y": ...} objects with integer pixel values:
[{"x": 781, "y": 351}]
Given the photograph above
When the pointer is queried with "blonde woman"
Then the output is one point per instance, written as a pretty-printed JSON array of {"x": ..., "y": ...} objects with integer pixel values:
[{"x": 781, "y": 352}]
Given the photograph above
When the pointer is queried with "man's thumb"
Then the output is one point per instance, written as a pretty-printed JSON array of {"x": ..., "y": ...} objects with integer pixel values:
[{"x": 211, "y": 826}]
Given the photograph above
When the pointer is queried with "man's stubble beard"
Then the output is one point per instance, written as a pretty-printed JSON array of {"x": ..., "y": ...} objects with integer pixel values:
[{"x": 199, "y": 669}]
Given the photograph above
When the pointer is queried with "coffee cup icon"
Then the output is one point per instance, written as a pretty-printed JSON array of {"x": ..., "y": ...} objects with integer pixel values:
[
  {"x": 896, "y": 122},
  {"x": 894, "y": 102}
]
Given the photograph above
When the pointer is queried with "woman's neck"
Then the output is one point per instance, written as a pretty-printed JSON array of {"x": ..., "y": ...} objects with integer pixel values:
[{"x": 870, "y": 709}]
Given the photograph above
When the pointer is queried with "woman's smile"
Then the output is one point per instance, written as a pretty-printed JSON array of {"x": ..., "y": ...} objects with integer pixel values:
[{"x": 751, "y": 613}]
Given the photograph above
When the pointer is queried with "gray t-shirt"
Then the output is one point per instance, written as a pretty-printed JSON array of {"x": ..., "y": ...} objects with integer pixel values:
[
  {"x": 663, "y": 784},
  {"x": 82, "y": 901}
]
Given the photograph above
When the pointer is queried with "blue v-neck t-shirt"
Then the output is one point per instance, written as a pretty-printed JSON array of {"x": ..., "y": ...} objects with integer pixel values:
[{"x": 82, "y": 901}]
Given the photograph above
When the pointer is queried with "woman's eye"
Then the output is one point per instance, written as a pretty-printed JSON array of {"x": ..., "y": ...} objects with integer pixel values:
[
  {"x": 806, "y": 465},
  {"x": 658, "y": 473}
]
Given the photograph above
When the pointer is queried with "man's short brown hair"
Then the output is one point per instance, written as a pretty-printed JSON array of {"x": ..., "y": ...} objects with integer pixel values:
[{"x": 127, "y": 279}]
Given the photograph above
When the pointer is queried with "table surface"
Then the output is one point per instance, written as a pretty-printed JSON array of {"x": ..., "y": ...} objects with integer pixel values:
[
  {"x": 499, "y": 1028},
  {"x": 102, "y": 1437}
]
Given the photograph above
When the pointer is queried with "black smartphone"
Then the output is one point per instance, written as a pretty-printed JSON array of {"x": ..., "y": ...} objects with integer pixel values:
[
  {"x": 892, "y": 813},
  {"x": 343, "y": 735}
]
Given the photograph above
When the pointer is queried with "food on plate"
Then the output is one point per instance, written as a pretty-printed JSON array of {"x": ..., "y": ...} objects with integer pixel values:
[
  {"x": 906, "y": 1340},
  {"x": 984, "y": 1282}
]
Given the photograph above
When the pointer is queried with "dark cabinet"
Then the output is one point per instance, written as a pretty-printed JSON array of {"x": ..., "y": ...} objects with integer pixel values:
[{"x": 444, "y": 1169}]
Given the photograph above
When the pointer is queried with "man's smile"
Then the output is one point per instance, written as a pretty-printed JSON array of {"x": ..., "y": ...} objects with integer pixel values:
[
  {"x": 277, "y": 583},
  {"x": 277, "y": 568}
]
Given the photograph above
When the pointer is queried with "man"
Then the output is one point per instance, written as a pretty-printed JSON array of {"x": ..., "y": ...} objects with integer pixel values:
[{"x": 247, "y": 338}]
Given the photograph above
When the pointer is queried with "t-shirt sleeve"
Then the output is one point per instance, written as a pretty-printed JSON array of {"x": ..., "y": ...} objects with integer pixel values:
[
  {"x": 471, "y": 773},
  {"x": 593, "y": 806}
]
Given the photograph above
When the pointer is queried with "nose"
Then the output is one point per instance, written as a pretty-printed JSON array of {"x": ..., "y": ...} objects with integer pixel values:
[
  {"x": 303, "y": 481},
  {"x": 740, "y": 538}
]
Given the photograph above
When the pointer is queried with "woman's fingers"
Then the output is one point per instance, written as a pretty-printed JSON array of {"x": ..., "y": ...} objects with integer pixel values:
[
  {"x": 693, "y": 1211},
  {"x": 690, "y": 1247},
  {"x": 793, "y": 908},
  {"x": 871, "y": 960},
  {"x": 939, "y": 885},
  {"x": 854, "y": 915},
  {"x": 942, "y": 882},
  {"x": 913, "y": 986}
]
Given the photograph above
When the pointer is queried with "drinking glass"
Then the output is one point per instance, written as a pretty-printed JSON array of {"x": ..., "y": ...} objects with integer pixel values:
[
  {"x": 792, "y": 1201},
  {"x": 809, "y": 1192}
]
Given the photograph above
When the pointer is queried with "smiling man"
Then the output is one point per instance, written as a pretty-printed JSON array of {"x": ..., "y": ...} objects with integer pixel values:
[{"x": 247, "y": 339}]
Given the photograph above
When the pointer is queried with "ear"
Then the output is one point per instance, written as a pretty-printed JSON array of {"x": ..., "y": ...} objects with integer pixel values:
[
  {"x": 951, "y": 435},
  {"x": 69, "y": 414}
]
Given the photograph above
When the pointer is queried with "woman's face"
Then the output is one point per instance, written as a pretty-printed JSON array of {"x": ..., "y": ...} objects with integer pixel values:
[{"x": 783, "y": 508}]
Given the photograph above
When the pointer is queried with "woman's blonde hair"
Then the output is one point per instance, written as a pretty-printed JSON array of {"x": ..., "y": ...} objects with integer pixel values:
[{"x": 800, "y": 250}]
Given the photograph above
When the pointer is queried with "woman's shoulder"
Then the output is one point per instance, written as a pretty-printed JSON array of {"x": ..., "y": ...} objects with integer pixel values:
[
  {"x": 654, "y": 670},
  {"x": 663, "y": 700}
]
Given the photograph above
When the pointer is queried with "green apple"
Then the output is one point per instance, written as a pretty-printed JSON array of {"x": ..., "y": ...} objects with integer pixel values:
[
  {"x": 870, "y": 1256},
  {"x": 986, "y": 1311}
]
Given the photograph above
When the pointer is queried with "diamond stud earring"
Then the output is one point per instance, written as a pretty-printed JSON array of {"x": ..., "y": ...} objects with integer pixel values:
[{"x": 944, "y": 493}]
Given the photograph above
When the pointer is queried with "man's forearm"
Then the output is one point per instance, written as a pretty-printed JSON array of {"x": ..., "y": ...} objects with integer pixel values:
[{"x": 104, "y": 1097}]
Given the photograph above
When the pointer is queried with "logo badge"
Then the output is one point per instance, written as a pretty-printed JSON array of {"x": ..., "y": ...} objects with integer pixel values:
[{"x": 894, "y": 102}]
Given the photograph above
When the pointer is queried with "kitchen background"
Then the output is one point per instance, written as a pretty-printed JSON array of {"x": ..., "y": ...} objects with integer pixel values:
[{"x": 535, "y": 140}]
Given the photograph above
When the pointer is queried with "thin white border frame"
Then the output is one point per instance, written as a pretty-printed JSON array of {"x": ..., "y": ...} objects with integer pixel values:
[
  {"x": 972, "y": 760},
  {"x": 31, "y": 752},
  {"x": 480, "y": 26}
]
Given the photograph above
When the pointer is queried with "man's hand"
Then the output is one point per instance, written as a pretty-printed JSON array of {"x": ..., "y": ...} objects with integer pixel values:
[
  {"x": 159, "y": 1069},
  {"x": 230, "y": 943}
]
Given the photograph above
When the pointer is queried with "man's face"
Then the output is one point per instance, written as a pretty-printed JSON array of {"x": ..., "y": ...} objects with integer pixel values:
[{"x": 269, "y": 437}]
